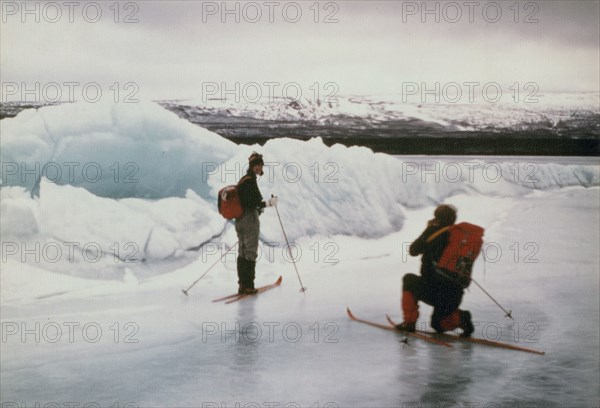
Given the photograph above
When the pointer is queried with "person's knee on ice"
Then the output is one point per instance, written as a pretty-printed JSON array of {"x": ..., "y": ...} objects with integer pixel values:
[
  {"x": 450, "y": 322},
  {"x": 459, "y": 319}
]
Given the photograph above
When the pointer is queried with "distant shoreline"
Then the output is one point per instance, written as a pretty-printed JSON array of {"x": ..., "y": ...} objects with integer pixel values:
[
  {"x": 396, "y": 137},
  {"x": 468, "y": 146}
]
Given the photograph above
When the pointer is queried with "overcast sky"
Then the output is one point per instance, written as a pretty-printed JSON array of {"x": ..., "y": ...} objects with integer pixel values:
[{"x": 367, "y": 47}]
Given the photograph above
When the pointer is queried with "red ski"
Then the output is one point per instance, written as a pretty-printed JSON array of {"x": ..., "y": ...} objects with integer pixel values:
[
  {"x": 475, "y": 340},
  {"x": 236, "y": 297},
  {"x": 391, "y": 328}
]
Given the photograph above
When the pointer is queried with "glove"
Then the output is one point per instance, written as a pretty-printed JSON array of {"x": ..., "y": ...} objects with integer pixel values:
[{"x": 272, "y": 202}]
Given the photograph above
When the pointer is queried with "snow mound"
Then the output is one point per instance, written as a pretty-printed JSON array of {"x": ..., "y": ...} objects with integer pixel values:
[
  {"x": 72, "y": 231},
  {"x": 353, "y": 191},
  {"x": 19, "y": 213},
  {"x": 112, "y": 150}
]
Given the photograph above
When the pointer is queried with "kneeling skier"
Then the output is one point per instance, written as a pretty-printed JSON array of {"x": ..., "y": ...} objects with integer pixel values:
[{"x": 434, "y": 287}]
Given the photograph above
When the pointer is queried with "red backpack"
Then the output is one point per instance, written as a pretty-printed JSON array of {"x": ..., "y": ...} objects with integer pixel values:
[
  {"x": 229, "y": 203},
  {"x": 464, "y": 244}
]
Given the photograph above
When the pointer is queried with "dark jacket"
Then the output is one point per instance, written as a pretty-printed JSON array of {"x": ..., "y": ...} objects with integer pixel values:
[
  {"x": 249, "y": 193},
  {"x": 432, "y": 252}
]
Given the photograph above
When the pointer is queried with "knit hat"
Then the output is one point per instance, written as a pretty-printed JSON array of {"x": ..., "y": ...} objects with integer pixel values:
[
  {"x": 445, "y": 214},
  {"x": 255, "y": 159}
]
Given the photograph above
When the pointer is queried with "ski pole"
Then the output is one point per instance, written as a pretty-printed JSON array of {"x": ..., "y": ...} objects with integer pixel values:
[
  {"x": 185, "y": 291},
  {"x": 302, "y": 288},
  {"x": 508, "y": 313}
]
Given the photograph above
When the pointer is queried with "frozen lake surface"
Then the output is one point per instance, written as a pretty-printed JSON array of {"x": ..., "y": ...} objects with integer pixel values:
[{"x": 159, "y": 348}]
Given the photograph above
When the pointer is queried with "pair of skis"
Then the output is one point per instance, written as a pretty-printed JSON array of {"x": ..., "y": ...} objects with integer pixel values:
[
  {"x": 433, "y": 337},
  {"x": 393, "y": 328},
  {"x": 430, "y": 337},
  {"x": 235, "y": 297}
]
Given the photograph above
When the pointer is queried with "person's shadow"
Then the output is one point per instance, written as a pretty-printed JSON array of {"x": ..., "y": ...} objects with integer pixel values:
[
  {"x": 243, "y": 352},
  {"x": 443, "y": 378}
]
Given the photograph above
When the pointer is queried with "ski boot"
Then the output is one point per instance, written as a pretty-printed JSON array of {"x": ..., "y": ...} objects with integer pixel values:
[
  {"x": 466, "y": 324},
  {"x": 246, "y": 277},
  {"x": 247, "y": 291},
  {"x": 407, "y": 327}
]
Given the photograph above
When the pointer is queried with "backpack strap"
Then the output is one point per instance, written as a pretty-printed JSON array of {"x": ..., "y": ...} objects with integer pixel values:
[
  {"x": 438, "y": 233},
  {"x": 243, "y": 180}
]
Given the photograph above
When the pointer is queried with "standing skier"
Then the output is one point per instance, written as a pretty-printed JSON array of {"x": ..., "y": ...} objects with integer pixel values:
[
  {"x": 248, "y": 225},
  {"x": 433, "y": 287}
]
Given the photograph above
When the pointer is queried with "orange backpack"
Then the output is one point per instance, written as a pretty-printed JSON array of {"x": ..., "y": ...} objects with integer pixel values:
[
  {"x": 229, "y": 204},
  {"x": 464, "y": 244}
]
